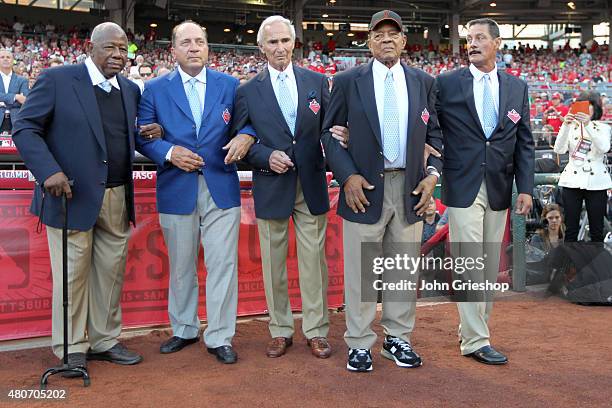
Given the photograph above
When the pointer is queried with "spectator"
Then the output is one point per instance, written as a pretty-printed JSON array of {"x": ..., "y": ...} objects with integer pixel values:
[
  {"x": 430, "y": 221},
  {"x": 553, "y": 232}
]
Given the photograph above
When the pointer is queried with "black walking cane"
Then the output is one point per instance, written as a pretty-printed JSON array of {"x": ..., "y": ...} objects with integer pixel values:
[{"x": 65, "y": 367}]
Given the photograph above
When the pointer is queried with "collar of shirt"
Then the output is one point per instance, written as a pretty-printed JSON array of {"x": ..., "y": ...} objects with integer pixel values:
[
  {"x": 380, "y": 70},
  {"x": 201, "y": 77},
  {"x": 5, "y": 75},
  {"x": 478, "y": 74},
  {"x": 96, "y": 76},
  {"x": 274, "y": 73}
]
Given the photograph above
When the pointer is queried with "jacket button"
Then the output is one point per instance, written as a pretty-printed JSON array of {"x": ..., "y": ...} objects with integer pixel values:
[
  {"x": 104, "y": 161},
  {"x": 102, "y": 183},
  {"x": 488, "y": 143},
  {"x": 589, "y": 161},
  {"x": 381, "y": 153},
  {"x": 293, "y": 142},
  {"x": 575, "y": 172},
  {"x": 483, "y": 164},
  {"x": 193, "y": 126},
  {"x": 592, "y": 173},
  {"x": 382, "y": 175}
]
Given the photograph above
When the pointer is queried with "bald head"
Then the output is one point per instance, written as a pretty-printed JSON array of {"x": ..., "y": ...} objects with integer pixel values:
[
  {"x": 109, "y": 48},
  {"x": 103, "y": 30}
]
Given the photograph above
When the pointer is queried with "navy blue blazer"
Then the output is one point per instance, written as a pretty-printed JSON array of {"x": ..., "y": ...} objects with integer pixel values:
[
  {"x": 59, "y": 129},
  {"x": 469, "y": 157},
  {"x": 256, "y": 104},
  {"x": 17, "y": 85},
  {"x": 353, "y": 102},
  {"x": 164, "y": 101}
]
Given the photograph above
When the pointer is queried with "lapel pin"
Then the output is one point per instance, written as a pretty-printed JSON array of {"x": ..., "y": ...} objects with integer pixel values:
[
  {"x": 227, "y": 116},
  {"x": 425, "y": 116},
  {"x": 514, "y": 116}
]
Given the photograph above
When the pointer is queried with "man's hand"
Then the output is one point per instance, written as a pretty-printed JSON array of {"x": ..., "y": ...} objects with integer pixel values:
[
  {"x": 151, "y": 131},
  {"x": 524, "y": 203},
  {"x": 185, "y": 159},
  {"x": 238, "y": 147},
  {"x": 429, "y": 151},
  {"x": 57, "y": 184},
  {"x": 21, "y": 98},
  {"x": 341, "y": 134},
  {"x": 280, "y": 162},
  {"x": 425, "y": 188},
  {"x": 354, "y": 195}
]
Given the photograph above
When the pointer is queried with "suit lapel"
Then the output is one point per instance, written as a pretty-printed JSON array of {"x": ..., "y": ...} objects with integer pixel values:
[
  {"x": 365, "y": 87},
  {"x": 467, "y": 86},
  {"x": 177, "y": 93},
  {"x": 504, "y": 92},
  {"x": 129, "y": 108},
  {"x": 301, "y": 106},
  {"x": 268, "y": 98},
  {"x": 12, "y": 84},
  {"x": 414, "y": 99},
  {"x": 85, "y": 94},
  {"x": 214, "y": 89}
]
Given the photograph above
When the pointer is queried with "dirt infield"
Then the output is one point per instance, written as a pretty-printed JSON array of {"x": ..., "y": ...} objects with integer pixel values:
[{"x": 560, "y": 356}]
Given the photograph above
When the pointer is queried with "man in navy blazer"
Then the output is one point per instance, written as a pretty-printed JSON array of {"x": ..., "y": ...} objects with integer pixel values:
[
  {"x": 78, "y": 124},
  {"x": 14, "y": 90},
  {"x": 389, "y": 108},
  {"x": 198, "y": 192},
  {"x": 484, "y": 116},
  {"x": 286, "y": 105}
]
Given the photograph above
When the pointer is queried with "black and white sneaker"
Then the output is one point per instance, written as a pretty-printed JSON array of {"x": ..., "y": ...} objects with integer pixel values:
[
  {"x": 359, "y": 360},
  {"x": 401, "y": 352}
]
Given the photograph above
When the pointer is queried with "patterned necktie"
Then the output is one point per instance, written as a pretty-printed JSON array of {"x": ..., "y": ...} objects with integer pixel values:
[
  {"x": 194, "y": 103},
  {"x": 286, "y": 102},
  {"x": 391, "y": 138},
  {"x": 489, "y": 114},
  {"x": 105, "y": 86}
]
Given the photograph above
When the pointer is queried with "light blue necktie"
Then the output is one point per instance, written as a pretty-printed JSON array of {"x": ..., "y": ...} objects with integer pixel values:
[
  {"x": 286, "y": 102},
  {"x": 194, "y": 103},
  {"x": 489, "y": 114},
  {"x": 105, "y": 86},
  {"x": 391, "y": 137}
]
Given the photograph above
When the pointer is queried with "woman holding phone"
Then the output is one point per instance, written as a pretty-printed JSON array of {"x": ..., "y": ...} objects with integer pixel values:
[{"x": 586, "y": 177}]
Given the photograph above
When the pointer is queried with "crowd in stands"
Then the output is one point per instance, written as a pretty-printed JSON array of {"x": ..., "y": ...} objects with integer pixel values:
[{"x": 555, "y": 78}]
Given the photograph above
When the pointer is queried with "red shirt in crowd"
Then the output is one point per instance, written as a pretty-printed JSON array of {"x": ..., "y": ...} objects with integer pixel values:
[{"x": 554, "y": 115}]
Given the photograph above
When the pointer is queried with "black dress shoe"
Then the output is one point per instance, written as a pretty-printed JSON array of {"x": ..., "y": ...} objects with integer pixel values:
[
  {"x": 225, "y": 354},
  {"x": 174, "y": 344},
  {"x": 75, "y": 360},
  {"x": 118, "y": 354},
  {"x": 488, "y": 355}
]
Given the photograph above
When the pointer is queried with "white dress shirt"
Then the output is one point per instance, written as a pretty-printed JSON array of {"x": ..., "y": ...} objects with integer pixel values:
[
  {"x": 379, "y": 71},
  {"x": 6, "y": 80},
  {"x": 479, "y": 87},
  {"x": 200, "y": 87},
  {"x": 96, "y": 76},
  {"x": 290, "y": 80}
]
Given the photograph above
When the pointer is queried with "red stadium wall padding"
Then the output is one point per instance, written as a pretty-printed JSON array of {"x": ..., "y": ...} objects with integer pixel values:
[{"x": 26, "y": 283}]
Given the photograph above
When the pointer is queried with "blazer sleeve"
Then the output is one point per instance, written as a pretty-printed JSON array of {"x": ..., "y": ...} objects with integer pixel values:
[
  {"x": 562, "y": 141},
  {"x": 155, "y": 149},
  {"x": 258, "y": 155},
  {"x": 29, "y": 132},
  {"x": 434, "y": 132},
  {"x": 600, "y": 136},
  {"x": 524, "y": 151},
  {"x": 23, "y": 87},
  {"x": 338, "y": 158}
]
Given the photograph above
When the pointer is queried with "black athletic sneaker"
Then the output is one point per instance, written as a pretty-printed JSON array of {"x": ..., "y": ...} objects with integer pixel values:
[
  {"x": 359, "y": 360},
  {"x": 401, "y": 352}
]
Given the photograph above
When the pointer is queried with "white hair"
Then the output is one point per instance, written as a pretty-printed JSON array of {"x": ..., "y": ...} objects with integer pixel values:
[{"x": 271, "y": 20}]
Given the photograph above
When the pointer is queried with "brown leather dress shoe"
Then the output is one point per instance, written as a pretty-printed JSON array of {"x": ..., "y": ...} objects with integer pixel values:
[
  {"x": 278, "y": 346},
  {"x": 319, "y": 346}
]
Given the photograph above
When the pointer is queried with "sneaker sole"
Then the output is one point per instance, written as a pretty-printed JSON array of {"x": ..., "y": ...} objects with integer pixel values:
[
  {"x": 358, "y": 370},
  {"x": 390, "y": 356}
]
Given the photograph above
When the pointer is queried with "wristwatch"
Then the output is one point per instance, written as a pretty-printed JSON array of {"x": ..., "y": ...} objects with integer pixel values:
[{"x": 431, "y": 171}]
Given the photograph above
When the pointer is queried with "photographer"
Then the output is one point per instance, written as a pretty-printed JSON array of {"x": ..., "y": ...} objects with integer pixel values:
[
  {"x": 553, "y": 232},
  {"x": 585, "y": 178}
]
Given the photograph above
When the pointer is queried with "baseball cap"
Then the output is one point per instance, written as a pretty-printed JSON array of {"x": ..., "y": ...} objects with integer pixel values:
[
  {"x": 556, "y": 95},
  {"x": 386, "y": 15}
]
